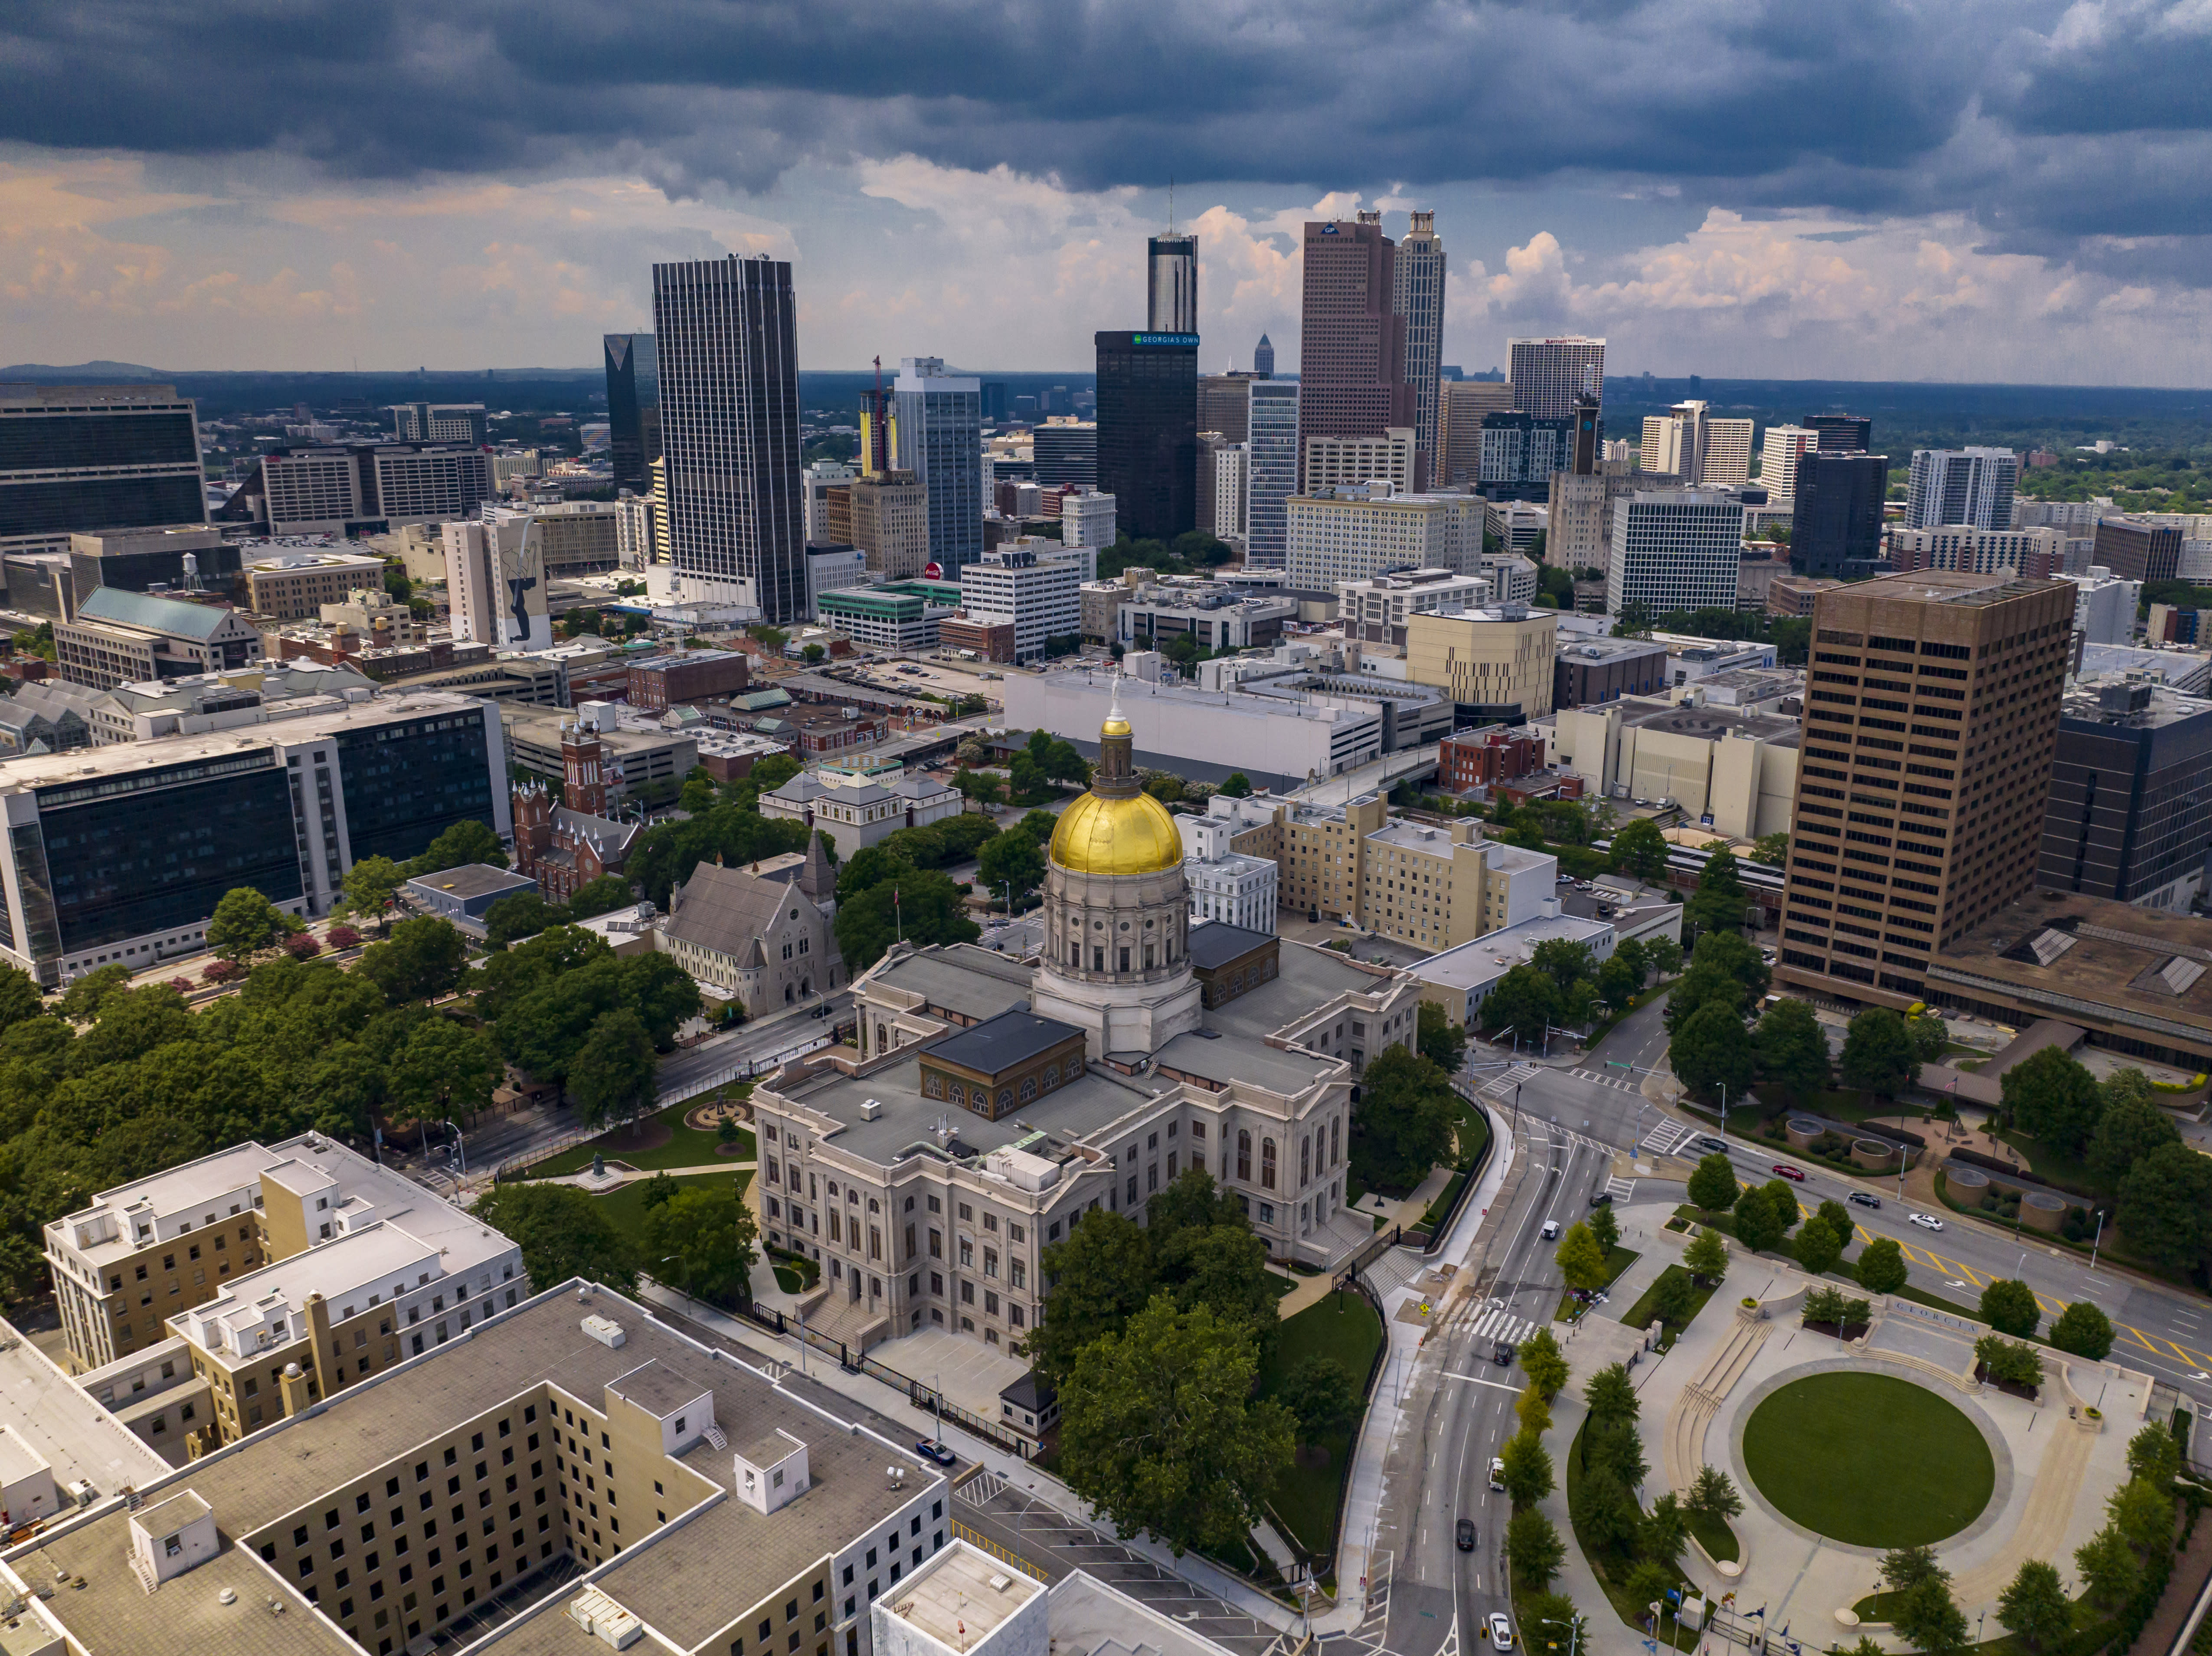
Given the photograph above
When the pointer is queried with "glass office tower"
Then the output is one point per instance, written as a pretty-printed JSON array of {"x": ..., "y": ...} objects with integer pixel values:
[
  {"x": 1148, "y": 431},
  {"x": 1275, "y": 471},
  {"x": 633, "y": 409}
]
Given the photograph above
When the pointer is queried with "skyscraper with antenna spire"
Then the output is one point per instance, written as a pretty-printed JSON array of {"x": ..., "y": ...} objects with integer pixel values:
[{"x": 1171, "y": 279}]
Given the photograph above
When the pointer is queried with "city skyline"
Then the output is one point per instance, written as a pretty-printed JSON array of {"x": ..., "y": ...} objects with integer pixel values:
[{"x": 2001, "y": 197}]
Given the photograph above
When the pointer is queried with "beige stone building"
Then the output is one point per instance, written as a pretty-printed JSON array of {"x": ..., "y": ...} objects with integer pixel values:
[
  {"x": 1492, "y": 659},
  {"x": 761, "y": 934},
  {"x": 1733, "y": 772},
  {"x": 293, "y": 585}
]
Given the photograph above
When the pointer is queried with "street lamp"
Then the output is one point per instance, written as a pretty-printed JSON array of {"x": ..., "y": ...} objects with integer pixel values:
[
  {"x": 460, "y": 1148},
  {"x": 2100, "y": 1238},
  {"x": 1551, "y": 1622}
]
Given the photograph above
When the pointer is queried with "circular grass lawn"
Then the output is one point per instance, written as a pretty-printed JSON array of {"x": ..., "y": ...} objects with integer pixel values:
[{"x": 1868, "y": 1459}]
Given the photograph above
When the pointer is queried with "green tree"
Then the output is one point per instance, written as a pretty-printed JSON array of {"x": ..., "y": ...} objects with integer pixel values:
[
  {"x": 1526, "y": 1001},
  {"x": 1564, "y": 961},
  {"x": 1696, "y": 989},
  {"x": 245, "y": 923},
  {"x": 1929, "y": 1035},
  {"x": 1771, "y": 850},
  {"x": 1405, "y": 1120},
  {"x": 2008, "y": 1306},
  {"x": 2130, "y": 1129},
  {"x": 1012, "y": 861},
  {"x": 82, "y": 1000},
  {"x": 1707, "y": 1257},
  {"x": 1102, "y": 1275},
  {"x": 1160, "y": 1429},
  {"x": 1063, "y": 762},
  {"x": 1639, "y": 848},
  {"x": 1727, "y": 952},
  {"x": 1533, "y": 1549},
  {"x": 1664, "y": 956},
  {"x": 467, "y": 842},
  {"x": 601, "y": 895},
  {"x": 1930, "y": 1620},
  {"x": 2052, "y": 1100},
  {"x": 445, "y": 1069},
  {"x": 1718, "y": 903},
  {"x": 1608, "y": 1516},
  {"x": 2143, "y": 1514},
  {"x": 1708, "y": 1052},
  {"x": 1543, "y": 1362},
  {"x": 1666, "y": 1532},
  {"x": 1712, "y": 1495},
  {"x": 1604, "y": 1226},
  {"x": 2109, "y": 1569},
  {"x": 1818, "y": 1248},
  {"x": 1880, "y": 1266},
  {"x": 701, "y": 1241},
  {"x": 1581, "y": 1260},
  {"x": 928, "y": 909},
  {"x": 1792, "y": 1048},
  {"x": 421, "y": 959},
  {"x": 663, "y": 995},
  {"x": 1323, "y": 1397},
  {"x": 1609, "y": 1396},
  {"x": 1759, "y": 1225},
  {"x": 1877, "y": 1053},
  {"x": 1238, "y": 785},
  {"x": 369, "y": 886},
  {"x": 2154, "y": 1455},
  {"x": 1440, "y": 1040},
  {"x": 2166, "y": 1208},
  {"x": 523, "y": 914},
  {"x": 1649, "y": 1581},
  {"x": 1528, "y": 1474},
  {"x": 2084, "y": 1330},
  {"x": 1905, "y": 1567},
  {"x": 1617, "y": 980},
  {"x": 2009, "y": 1360},
  {"x": 1712, "y": 1186},
  {"x": 563, "y": 1233},
  {"x": 611, "y": 1075},
  {"x": 1566, "y": 1628}
]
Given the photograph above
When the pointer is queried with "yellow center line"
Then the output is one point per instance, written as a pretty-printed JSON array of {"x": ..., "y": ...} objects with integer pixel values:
[{"x": 2142, "y": 1339}]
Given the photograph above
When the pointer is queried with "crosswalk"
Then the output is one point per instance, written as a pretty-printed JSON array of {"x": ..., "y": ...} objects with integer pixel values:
[
  {"x": 1500, "y": 1323},
  {"x": 1667, "y": 1137},
  {"x": 1601, "y": 1078},
  {"x": 1619, "y": 1188},
  {"x": 1499, "y": 1087},
  {"x": 1549, "y": 1135}
]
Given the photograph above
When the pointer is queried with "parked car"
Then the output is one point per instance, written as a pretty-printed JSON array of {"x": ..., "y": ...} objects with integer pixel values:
[
  {"x": 930, "y": 1449},
  {"x": 1783, "y": 1170},
  {"x": 1927, "y": 1221},
  {"x": 1501, "y": 1631},
  {"x": 1465, "y": 1534},
  {"x": 1863, "y": 1199}
]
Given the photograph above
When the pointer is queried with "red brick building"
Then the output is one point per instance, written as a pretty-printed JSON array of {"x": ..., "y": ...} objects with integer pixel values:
[
  {"x": 566, "y": 847},
  {"x": 664, "y": 681},
  {"x": 988, "y": 635},
  {"x": 1483, "y": 758}
]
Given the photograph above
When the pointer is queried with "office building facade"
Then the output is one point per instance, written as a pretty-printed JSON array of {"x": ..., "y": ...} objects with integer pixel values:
[
  {"x": 1836, "y": 527},
  {"x": 1038, "y": 594},
  {"x": 2034, "y": 554},
  {"x": 1961, "y": 485},
  {"x": 633, "y": 409},
  {"x": 887, "y": 518},
  {"x": 2129, "y": 816},
  {"x": 366, "y": 488},
  {"x": 2138, "y": 552},
  {"x": 938, "y": 436},
  {"x": 1066, "y": 452},
  {"x": 1417, "y": 294},
  {"x": 126, "y": 864},
  {"x": 1778, "y": 452},
  {"x": 1172, "y": 283},
  {"x": 89, "y": 457},
  {"x": 461, "y": 422},
  {"x": 1088, "y": 519},
  {"x": 1548, "y": 375},
  {"x": 1148, "y": 431},
  {"x": 1351, "y": 348},
  {"x": 1931, "y": 720},
  {"x": 725, "y": 336},
  {"x": 1356, "y": 534},
  {"x": 1271, "y": 471},
  {"x": 1231, "y": 494},
  {"x": 1263, "y": 359},
  {"x": 1674, "y": 548},
  {"x": 1225, "y": 405},
  {"x": 1841, "y": 433},
  {"x": 1462, "y": 405},
  {"x": 1390, "y": 457}
]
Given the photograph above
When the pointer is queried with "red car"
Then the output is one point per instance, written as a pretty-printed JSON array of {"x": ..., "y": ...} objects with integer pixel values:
[{"x": 1783, "y": 1170}]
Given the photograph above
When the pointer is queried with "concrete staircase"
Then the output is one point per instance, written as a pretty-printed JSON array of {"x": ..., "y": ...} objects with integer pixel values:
[
  {"x": 859, "y": 1323},
  {"x": 1701, "y": 1399}
]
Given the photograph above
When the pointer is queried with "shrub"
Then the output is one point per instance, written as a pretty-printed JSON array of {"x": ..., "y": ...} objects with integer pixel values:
[
  {"x": 222, "y": 972},
  {"x": 182, "y": 985},
  {"x": 343, "y": 937},
  {"x": 301, "y": 946}
]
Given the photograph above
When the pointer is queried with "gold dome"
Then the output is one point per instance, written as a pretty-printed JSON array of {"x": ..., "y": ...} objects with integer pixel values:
[{"x": 1129, "y": 836}]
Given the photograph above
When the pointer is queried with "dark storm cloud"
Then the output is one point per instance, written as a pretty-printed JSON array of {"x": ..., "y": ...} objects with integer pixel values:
[{"x": 2043, "y": 127}]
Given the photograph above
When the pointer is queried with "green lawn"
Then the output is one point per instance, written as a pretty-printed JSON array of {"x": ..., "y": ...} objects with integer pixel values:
[
  {"x": 1443, "y": 1204},
  {"x": 1868, "y": 1459},
  {"x": 626, "y": 1205},
  {"x": 1714, "y": 1536},
  {"x": 1343, "y": 1327},
  {"x": 1608, "y": 1564},
  {"x": 1474, "y": 1132},
  {"x": 2052, "y": 1168},
  {"x": 1640, "y": 1314},
  {"x": 687, "y": 1147}
]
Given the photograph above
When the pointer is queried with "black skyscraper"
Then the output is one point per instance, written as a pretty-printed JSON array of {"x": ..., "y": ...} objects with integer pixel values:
[
  {"x": 1835, "y": 528},
  {"x": 633, "y": 409},
  {"x": 1841, "y": 434},
  {"x": 95, "y": 457},
  {"x": 1148, "y": 431}
]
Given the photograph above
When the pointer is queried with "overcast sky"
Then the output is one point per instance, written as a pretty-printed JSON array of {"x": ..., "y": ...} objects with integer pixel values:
[{"x": 2006, "y": 190}]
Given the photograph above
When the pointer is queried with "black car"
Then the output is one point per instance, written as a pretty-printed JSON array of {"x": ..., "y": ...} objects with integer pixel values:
[
  {"x": 1465, "y": 1534},
  {"x": 1600, "y": 1199},
  {"x": 1503, "y": 1356},
  {"x": 1712, "y": 1145},
  {"x": 1863, "y": 1199}
]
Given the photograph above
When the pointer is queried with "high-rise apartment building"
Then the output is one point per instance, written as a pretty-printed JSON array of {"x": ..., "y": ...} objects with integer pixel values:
[
  {"x": 1546, "y": 374},
  {"x": 1417, "y": 294},
  {"x": 1518, "y": 454},
  {"x": 1148, "y": 431},
  {"x": 1263, "y": 359},
  {"x": 1931, "y": 718},
  {"x": 2138, "y": 552},
  {"x": 1674, "y": 548},
  {"x": 1066, "y": 452},
  {"x": 1688, "y": 442},
  {"x": 938, "y": 436},
  {"x": 1841, "y": 434},
  {"x": 1231, "y": 495},
  {"x": 1778, "y": 452},
  {"x": 1271, "y": 471},
  {"x": 366, "y": 488},
  {"x": 1463, "y": 406},
  {"x": 1726, "y": 458},
  {"x": 1355, "y": 534},
  {"x": 633, "y": 409},
  {"x": 1352, "y": 351},
  {"x": 2032, "y": 554},
  {"x": 1088, "y": 519},
  {"x": 726, "y": 334},
  {"x": 1836, "y": 525},
  {"x": 1391, "y": 457},
  {"x": 495, "y": 579},
  {"x": 439, "y": 423},
  {"x": 2130, "y": 818},
  {"x": 88, "y": 458},
  {"x": 1961, "y": 485},
  {"x": 1225, "y": 405},
  {"x": 1172, "y": 283}
]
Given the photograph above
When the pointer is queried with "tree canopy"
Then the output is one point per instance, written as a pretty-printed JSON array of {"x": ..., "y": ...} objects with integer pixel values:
[{"x": 1405, "y": 1120}]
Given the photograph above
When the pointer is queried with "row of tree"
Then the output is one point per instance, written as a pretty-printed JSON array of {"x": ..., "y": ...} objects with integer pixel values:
[
  {"x": 698, "y": 1238},
  {"x": 1562, "y": 984}
]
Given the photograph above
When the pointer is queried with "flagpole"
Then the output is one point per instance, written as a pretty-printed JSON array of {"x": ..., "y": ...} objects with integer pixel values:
[{"x": 899, "y": 932}]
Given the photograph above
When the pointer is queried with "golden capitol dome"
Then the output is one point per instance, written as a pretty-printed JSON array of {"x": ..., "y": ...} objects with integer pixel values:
[{"x": 1117, "y": 828}]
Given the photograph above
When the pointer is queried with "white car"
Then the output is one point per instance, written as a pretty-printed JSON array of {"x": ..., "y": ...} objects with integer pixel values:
[
  {"x": 1928, "y": 1222},
  {"x": 1501, "y": 1631}
]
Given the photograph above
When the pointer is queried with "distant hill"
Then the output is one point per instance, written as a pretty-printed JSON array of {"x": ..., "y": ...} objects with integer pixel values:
[{"x": 82, "y": 372}]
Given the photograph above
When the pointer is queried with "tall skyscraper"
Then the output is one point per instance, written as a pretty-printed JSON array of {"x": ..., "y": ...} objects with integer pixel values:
[
  {"x": 1982, "y": 661},
  {"x": 87, "y": 458},
  {"x": 1148, "y": 430},
  {"x": 937, "y": 435},
  {"x": 1589, "y": 435},
  {"x": 1688, "y": 442},
  {"x": 1225, "y": 405},
  {"x": 1417, "y": 294},
  {"x": 1835, "y": 529},
  {"x": 1066, "y": 452},
  {"x": 1546, "y": 374},
  {"x": 1271, "y": 472},
  {"x": 726, "y": 332},
  {"x": 1172, "y": 283},
  {"x": 1961, "y": 485},
  {"x": 1263, "y": 359},
  {"x": 1841, "y": 434},
  {"x": 1462, "y": 405},
  {"x": 633, "y": 409},
  {"x": 1778, "y": 456},
  {"x": 1351, "y": 348}
]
